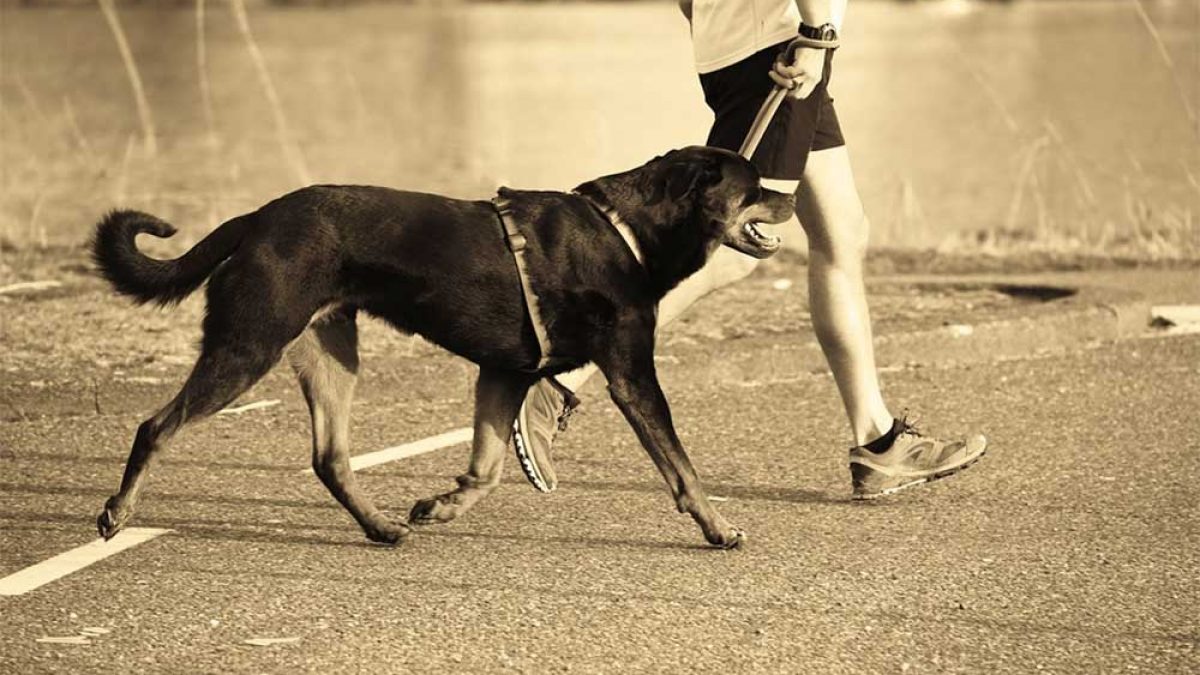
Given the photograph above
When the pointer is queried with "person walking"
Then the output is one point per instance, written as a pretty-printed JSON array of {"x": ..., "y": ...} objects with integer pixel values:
[{"x": 744, "y": 48}]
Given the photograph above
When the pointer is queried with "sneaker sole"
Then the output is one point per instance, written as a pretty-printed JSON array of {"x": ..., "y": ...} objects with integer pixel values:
[
  {"x": 945, "y": 473},
  {"x": 528, "y": 466}
]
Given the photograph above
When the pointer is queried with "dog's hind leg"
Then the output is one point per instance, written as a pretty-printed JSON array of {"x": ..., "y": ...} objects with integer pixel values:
[
  {"x": 498, "y": 397},
  {"x": 325, "y": 357},
  {"x": 223, "y": 372}
]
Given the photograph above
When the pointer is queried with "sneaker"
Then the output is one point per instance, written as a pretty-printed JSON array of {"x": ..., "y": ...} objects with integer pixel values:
[
  {"x": 911, "y": 460},
  {"x": 547, "y": 407}
]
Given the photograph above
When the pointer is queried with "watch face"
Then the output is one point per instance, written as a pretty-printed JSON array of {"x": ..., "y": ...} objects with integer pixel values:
[{"x": 825, "y": 33}]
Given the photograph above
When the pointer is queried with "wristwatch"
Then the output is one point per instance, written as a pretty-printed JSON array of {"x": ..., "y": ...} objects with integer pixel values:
[{"x": 826, "y": 32}]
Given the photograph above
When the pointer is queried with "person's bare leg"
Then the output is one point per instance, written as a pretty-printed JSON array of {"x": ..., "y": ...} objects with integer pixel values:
[
  {"x": 832, "y": 215},
  {"x": 831, "y": 212}
]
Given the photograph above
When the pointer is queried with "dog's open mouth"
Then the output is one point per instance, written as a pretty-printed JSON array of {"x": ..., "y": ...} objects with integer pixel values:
[
  {"x": 751, "y": 240},
  {"x": 764, "y": 240}
]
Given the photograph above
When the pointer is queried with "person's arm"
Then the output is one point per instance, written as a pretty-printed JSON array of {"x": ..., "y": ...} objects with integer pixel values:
[
  {"x": 803, "y": 74},
  {"x": 816, "y": 12}
]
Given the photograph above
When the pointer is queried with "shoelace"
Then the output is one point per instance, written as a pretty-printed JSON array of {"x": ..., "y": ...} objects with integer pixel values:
[
  {"x": 570, "y": 403},
  {"x": 565, "y": 417},
  {"x": 907, "y": 427}
]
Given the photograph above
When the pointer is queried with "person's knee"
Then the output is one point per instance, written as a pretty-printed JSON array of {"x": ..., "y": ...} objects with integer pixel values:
[
  {"x": 843, "y": 242},
  {"x": 830, "y": 209}
]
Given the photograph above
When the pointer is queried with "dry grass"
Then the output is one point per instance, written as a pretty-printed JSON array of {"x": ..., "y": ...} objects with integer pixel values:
[
  {"x": 145, "y": 116},
  {"x": 282, "y": 129},
  {"x": 1084, "y": 226},
  {"x": 1059, "y": 204}
]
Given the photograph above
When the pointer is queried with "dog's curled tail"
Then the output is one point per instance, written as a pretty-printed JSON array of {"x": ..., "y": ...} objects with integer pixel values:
[{"x": 147, "y": 279}]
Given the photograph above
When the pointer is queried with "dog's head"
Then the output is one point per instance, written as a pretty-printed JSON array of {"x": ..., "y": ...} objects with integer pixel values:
[
  {"x": 685, "y": 204},
  {"x": 721, "y": 193}
]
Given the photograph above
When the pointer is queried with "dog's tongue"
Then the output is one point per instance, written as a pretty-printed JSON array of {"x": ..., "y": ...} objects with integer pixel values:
[{"x": 769, "y": 239}]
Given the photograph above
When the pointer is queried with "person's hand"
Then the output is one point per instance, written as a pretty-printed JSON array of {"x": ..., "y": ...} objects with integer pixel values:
[{"x": 803, "y": 74}]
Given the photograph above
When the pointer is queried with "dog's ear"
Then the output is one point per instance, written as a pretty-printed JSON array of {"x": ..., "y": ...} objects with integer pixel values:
[{"x": 686, "y": 177}]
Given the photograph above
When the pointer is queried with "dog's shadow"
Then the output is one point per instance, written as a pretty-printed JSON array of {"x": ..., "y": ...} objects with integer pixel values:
[
  {"x": 326, "y": 534},
  {"x": 590, "y": 542},
  {"x": 199, "y": 498},
  {"x": 115, "y": 461},
  {"x": 750, "y": 493}
]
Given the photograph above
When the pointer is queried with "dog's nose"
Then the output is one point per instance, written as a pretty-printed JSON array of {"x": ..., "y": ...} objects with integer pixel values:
[
  {"x": 786, "y": 201},
  {"x": 788, "y": 196}
]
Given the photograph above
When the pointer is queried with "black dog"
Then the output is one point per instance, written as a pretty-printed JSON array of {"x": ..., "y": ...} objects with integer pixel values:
[{"x": 291, "y": 276}]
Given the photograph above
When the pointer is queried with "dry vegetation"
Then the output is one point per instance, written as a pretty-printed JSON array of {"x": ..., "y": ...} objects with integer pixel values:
[{"x": 58, "y": 173}]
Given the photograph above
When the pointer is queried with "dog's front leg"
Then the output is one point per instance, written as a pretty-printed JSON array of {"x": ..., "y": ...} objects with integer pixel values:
[
  {"x": 633, "y": 385},
  {"x": 498, "y": 397}
]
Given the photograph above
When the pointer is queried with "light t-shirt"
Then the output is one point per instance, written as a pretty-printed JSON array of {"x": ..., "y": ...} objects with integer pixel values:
[{"x": 727, "y": 31}]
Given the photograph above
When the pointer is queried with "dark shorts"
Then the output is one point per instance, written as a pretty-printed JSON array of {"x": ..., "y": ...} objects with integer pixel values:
[{"x": 736, "y": 92}]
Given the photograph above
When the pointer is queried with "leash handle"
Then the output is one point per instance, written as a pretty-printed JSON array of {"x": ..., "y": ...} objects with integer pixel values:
[{"x": 766, "y": 113}]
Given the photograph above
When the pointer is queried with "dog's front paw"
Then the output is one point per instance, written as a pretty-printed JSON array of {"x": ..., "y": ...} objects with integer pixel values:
[
  {"x": 727, "y": 538},
  {"x": 735, "y": 539},
  {"x": 388, "y": 533},
  {"x": 112, "y": 518},
  {"x": 439, "y": 509},
  {"x": 718, "y": 531}
]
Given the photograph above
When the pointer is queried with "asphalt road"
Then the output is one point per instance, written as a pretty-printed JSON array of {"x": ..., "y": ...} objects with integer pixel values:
[{"x": 1072, "y": 547}]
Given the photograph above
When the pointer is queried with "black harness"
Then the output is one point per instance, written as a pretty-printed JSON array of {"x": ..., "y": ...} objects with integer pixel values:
[{"x": 517, "y": 244}]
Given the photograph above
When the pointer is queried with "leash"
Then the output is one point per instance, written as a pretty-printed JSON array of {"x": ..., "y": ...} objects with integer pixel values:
[{"x": 761, "y": 121}]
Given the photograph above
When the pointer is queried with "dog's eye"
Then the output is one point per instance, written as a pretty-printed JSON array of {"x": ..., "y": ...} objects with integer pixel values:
[{"x": 753, "y": 196}]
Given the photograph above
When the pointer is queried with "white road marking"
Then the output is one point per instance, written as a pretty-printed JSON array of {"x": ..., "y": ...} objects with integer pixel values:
[
  {"x": 1177, "y": 313},
  {"x": 453, "y": 437},
  {"x": 267, "y": 642},
  {"x": 29, "y": 286},
  {"x": 76, "y": 559},
  {"x": 68, "y": 640},
  {"x": 36, "y": 576},
  {"x": 1178, "y": 319},
  {"x": 249, "y": 406}
]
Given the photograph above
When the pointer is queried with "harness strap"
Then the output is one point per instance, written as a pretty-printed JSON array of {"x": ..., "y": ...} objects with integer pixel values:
[
  {"x": 610, "y": 214},
  {"x": 517, "y": 243}
]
